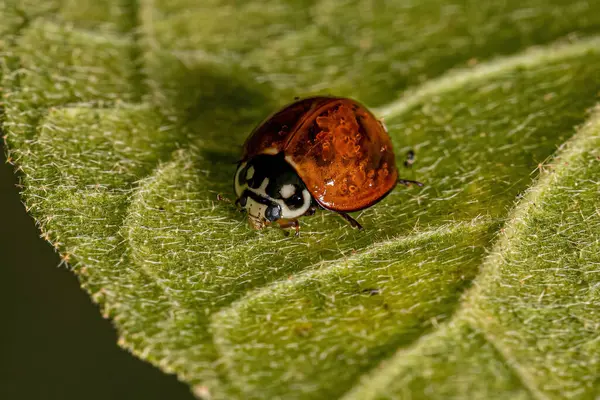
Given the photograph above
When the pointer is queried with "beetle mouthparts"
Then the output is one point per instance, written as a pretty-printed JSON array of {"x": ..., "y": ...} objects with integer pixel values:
[{"x": 255, "y": 223}]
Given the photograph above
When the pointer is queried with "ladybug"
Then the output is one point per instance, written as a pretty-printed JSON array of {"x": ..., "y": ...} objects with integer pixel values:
[{"x": 318, "y": 152}]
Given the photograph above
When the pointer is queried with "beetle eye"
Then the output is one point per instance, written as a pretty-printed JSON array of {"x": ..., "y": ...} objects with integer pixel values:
[
  {"x": 273, "y": 212},
  {"x": 242, "y": 200}
]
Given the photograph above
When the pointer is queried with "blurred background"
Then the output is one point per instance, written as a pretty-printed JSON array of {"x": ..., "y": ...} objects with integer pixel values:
[{"x": 54, "y": 344}]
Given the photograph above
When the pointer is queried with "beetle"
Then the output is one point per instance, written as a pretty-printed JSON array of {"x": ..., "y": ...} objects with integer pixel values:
[{"x": 319, "y": 152}]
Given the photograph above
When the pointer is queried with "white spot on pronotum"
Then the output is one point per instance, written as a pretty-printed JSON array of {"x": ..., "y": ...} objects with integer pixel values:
[
  {"x": 263, "y": 188},
  {"x": 287, "y": 191},
  {"x": 250, "y": 173}
]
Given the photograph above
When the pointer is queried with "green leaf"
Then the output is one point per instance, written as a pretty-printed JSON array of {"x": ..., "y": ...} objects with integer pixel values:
[
  {"x": 528, "y": 328},
  {"x": 125, "y": 120}
]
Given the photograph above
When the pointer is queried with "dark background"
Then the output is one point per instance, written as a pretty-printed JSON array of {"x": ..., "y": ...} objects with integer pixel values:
[{"x": 54, "y": 344}]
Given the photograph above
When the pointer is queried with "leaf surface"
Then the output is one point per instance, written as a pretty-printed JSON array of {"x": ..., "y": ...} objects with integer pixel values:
[{"x": 125, "y": 120}]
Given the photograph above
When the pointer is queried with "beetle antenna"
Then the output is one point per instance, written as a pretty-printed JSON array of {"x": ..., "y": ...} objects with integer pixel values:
[
  {"x": 223, "y": 199},
  {"x": 354, "y": 223}
]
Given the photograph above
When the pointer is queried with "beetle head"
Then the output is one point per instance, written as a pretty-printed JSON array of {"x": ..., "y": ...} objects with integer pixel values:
[{"x": 269, "y": 189}]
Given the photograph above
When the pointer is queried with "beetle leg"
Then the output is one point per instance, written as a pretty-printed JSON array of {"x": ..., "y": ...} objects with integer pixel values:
[
  {"x": 289, "y": 223},
  {"x": 408, "y": 183},
  {"x": 311, "y": 211},
  {"x": 354, "y": 223}
]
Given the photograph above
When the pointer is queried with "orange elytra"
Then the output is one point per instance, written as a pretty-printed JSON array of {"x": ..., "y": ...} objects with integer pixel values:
[{"x": 319, "y": 152}]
